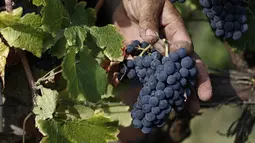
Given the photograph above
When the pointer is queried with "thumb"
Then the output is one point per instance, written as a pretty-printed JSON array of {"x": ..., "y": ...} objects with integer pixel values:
[{"x": 149, "y": 18}]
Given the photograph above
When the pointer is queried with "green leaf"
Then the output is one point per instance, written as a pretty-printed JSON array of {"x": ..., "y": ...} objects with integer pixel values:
[
  {"x": 83, "y": 16},
  {"x": 119, "y": 112},
  {"x": 72, "y": 112},
  {"x": 38, "y": 2},
  {"x": 32, "y": 19},
  {"x": 70, "y": 5},
  {"x": 110, "y": 40},
  {"x": 59, "y": 49},
  {"x": 75, "y": 36},
  {"x": 4, "y": 51},
  {"x": 84, "y": 112},
  {"x": 45, "y": 104},
  {"x": 8, "y": 19},
  {"x": 53, "y": 14},
  {"x": 97, "y": 129},
  {"x": 85, "y": 78},
  {"x": 25, "y": 37}
]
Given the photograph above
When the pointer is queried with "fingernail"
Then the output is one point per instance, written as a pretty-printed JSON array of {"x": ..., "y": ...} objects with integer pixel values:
[{"x": 150, "y": 32}]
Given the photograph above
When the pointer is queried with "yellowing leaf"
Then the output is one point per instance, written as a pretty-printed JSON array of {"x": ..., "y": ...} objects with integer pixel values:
[
  {"x": 10, "y": 18},
  {"x": 46, "y": 104},
  {"x": 4, "y": 51},
  {"x": 97, "y": 129}
]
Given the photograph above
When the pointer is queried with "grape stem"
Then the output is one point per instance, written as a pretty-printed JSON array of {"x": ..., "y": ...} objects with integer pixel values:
[
  {"x": 48, "y": 76},
  {"x": 166, "y": 47},
  {"x": 144, "y": 50}
]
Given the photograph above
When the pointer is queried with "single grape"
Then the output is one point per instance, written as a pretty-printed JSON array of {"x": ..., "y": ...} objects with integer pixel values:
[
  {"x": 182, "y": 52},
  {"x": 171, "y": 79},
  {"x": 144, "y": 44},
  {"x": 138, "y": 61},
  {"x": 174, "y": 56},
  {"x": 142, "y": 73},
  {"x": 131, "y": 74},
  {"x": 146, "y": 90},
  {"x": 153, "y": 101},
  {"x": 146, "y": 108},
  {"x": 145, "y": 99},
  {"x": 177, "y": 76},
  {"x": 183, "y": 82},
  {"x": 146, "y": 130},
  {"x": 169, "y": 67},
  {"x": 162, "y": 76},
  {"x": 184, "y": 72},
  {"x": 187, "y": 62},
  {"x": 168, "y": 92},
  {"x": 160, "y": 94},
  {"x": 137, "y": 123},
  {"x": 155, "y": 110},
  {"x": 149, "y": 72},
  {"x": 161, "y": 115},
  {"x": 145, "y": 122},
  {"x": 176, "y": 86},
  {"x": 130, "y": 49},
  {"x": 164, "y": 60},
  {"x": 160, "y": 86},
  {"x": 150, "y": 116},
  {"x": 139, "y": 114},
  {"x": 135, "y": 43},
  {"x": 156, "y": 55},
  {"x": 163, "y": 104},
  {"x": 193, "y": 71},
  {"x": 146, "y": 61},
  {"x": 155, "y": 63}
]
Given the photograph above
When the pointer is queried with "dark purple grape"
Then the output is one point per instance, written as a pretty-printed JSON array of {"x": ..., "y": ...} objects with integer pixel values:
[{"x": 153, "y": 101}]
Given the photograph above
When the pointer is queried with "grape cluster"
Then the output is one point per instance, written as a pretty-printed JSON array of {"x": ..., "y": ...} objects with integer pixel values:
[
  {"x": 227, "y": 17},
  {"x": 166, "y": 81},
  {"x": 180, "y": 1}
]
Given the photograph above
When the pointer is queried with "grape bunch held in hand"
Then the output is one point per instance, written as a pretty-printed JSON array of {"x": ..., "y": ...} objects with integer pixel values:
[
  {"x": 167, "y": 82},
  {"x": 227, "y": 17}
]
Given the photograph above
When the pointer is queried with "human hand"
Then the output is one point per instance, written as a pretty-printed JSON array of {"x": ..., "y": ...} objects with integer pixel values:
[{"x": 145, "y": 20}]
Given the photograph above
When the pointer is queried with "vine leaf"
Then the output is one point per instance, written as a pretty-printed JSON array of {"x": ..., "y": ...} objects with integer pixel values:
[
  {"x": 119, "y": 112},
  {"x": 53, "y": 16},
  {"x": 4, "y": 51},
  {"x": 8, "y": 19},
  {"x": 72, "y": 112},
  {"x": 110, "y": 40},
  {"x": 83, "y": 16},
  {"x": 97, "y": 129},
  {"x": 38, "y": 2},
  {"x": 46, "y": 104},
  {"x": 84, "y": 112},
  {"x": 75, "y": 36},
  {"x": 85, "y": 78},
  {"x": 25, "y": 37},
  {"x": 32, "y": 19}
]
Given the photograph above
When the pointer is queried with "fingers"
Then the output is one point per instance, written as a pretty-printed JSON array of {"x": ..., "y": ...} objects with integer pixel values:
[
  {"x": 204, "y": 87},
  {"x": 125, "y": 26},
  {"x": 149, "y": 18},
  {"x": 192, "y": 104},
  {"x": 147, "y": 14},
  {"x": 173, "y": 24}
]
